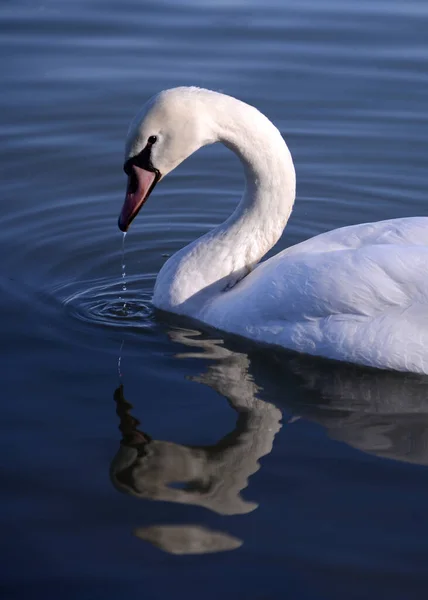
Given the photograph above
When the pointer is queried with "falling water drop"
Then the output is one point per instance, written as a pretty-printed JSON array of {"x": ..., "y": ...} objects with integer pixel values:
[
  {"x": 123, "y": 272},
  {"x": 119, "y": 360}
]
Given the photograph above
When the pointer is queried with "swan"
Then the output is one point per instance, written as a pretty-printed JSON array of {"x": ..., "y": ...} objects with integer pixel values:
[{"x": 357, "y": 294}]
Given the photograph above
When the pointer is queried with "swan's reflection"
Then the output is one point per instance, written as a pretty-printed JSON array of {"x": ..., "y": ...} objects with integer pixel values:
[
  {"x": 209, "y": 476},
  {"x": 378, "y": 412}
]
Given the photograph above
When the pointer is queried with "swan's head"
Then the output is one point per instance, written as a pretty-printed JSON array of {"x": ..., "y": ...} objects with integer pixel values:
[{"x": 170, "y": 127}]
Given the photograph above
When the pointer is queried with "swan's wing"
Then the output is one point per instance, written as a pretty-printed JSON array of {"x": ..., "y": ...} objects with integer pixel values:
[
  {"x": 361, "y": 298},
  {"x": 361, "y": 270},
  {"x": 411, "y": 231}
]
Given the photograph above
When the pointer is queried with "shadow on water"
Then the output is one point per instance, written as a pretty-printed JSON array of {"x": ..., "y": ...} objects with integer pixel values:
[{"x": 381, "y": 413}]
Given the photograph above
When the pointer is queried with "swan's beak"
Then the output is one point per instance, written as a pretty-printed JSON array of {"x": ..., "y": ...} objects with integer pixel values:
[{"x": 140, "y": 185}]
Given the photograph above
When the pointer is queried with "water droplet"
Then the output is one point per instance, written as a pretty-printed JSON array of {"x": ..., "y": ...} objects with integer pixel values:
[
  {"x": 123, "y": 273},
  {"x": 119, "y": 361}
]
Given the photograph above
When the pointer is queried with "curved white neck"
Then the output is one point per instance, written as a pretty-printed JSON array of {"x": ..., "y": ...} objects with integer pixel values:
[{"x": 216, "y": 261}]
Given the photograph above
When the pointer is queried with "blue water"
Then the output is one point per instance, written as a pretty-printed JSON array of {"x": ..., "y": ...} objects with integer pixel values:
[{"x": 174, "y": 477}]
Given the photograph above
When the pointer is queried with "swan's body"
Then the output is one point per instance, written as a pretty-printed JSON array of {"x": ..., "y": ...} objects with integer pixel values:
[{"x": 356, "y": 294}]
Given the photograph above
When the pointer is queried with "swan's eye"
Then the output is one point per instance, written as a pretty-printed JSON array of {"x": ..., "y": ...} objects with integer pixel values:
[{"x": 152, "y": 139}]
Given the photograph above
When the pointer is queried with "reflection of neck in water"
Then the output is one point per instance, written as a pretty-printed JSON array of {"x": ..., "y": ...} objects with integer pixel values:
[{"x": 210, "y": 476}]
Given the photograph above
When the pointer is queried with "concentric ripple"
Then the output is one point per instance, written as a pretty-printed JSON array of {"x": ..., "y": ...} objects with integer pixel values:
[{"x": 104, "y": 302}]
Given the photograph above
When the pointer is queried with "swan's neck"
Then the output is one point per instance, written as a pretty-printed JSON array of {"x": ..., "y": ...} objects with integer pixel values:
[{"x": 216, "y": 261}]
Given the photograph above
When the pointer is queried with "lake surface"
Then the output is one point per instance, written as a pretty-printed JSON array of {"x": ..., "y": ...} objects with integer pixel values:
[{"x": 169, "y": 475}]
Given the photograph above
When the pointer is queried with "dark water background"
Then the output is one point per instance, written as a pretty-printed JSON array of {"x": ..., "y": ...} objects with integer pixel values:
[{"x": 343, "y": 496}]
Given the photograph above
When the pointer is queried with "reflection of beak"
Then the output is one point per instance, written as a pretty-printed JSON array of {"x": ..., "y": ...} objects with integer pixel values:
[
  {"x": 131, "y": 436},
  {"x": 140, "y": 185}
]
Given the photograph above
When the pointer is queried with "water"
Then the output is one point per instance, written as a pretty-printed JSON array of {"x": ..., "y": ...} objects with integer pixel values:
[{"x": 181, "y": 482}]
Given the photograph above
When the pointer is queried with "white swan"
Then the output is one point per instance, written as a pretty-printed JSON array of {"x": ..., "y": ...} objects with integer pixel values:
[{"x": 356, "y": 294}]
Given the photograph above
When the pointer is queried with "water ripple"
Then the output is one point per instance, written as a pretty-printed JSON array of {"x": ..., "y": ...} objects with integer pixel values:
[{"x": 103, "y": 302}]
